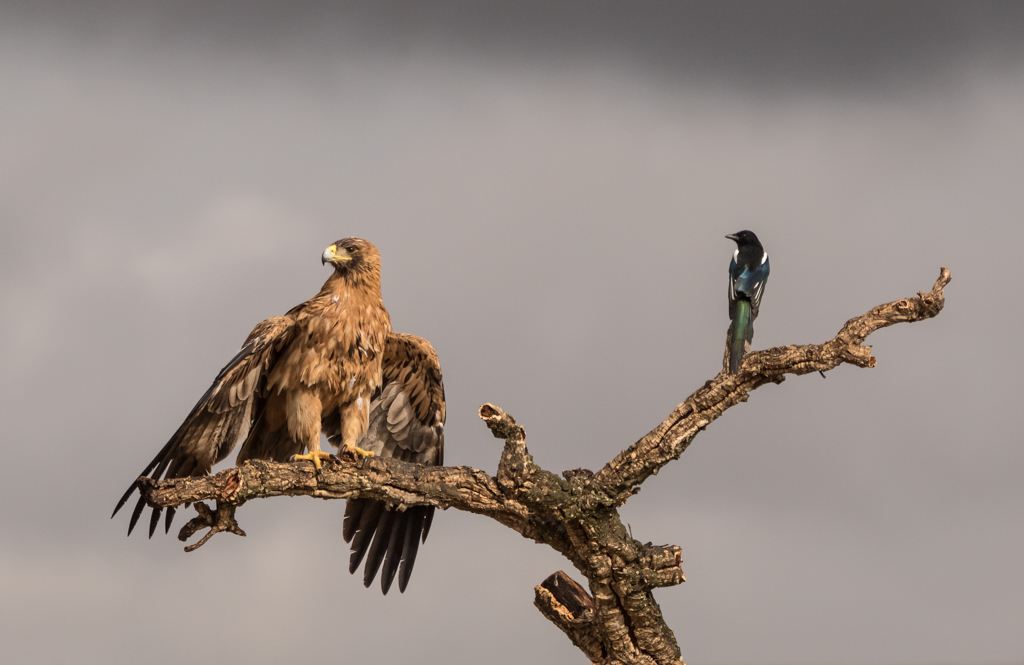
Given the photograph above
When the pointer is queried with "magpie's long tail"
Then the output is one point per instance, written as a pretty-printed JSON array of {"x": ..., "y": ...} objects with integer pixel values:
[{"x": 741, "y": 333}]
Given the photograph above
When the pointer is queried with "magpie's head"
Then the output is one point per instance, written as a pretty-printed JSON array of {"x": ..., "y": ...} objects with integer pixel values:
[{"x": 744, "y": 238}]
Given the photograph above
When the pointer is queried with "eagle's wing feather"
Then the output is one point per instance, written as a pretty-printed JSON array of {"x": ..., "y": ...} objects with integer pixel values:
[
  {"x": 220, "y": 419},
  {"x": 407, "y": 423}
]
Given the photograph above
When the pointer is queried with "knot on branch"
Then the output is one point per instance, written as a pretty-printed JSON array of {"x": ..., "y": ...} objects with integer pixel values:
[
  {"x": 661, "y": 566},
  {"x": 580, "y": 476},
  {"x": 222, "y": 519},
  {"x": 516, "y": 466},
  {"x": 585, "y": 494},
  {"x": 222, "y": 487},
  {"x": 857, "y": 354}
]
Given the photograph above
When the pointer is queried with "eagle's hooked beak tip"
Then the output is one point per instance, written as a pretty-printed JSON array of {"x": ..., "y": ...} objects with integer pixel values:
[{"x": 336, "y": 256}]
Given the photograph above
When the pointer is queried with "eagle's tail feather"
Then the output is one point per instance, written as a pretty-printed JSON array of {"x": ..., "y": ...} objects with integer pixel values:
[
  {"x": 379, "y": 547},
  {"x": 419, "y": 520},
  {"x": 396, "y": 542},
  {"x": 384, "y": 537},
  {"x": 363, "y": 515}
]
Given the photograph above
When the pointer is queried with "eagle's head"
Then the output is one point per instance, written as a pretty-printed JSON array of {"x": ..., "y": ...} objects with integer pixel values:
[{"x": 352, "y": 256}]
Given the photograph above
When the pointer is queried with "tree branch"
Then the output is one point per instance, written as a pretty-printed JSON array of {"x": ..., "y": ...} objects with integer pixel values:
[
  {"x": 668, "y": 440},
  {"x": 567, "y": 605},
  {"x": 385, "y": 479},
  {"x": 576, "y": 514}
]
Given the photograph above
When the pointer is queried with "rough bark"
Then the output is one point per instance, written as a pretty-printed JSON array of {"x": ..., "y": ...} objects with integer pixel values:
[
  {"x": 575, "y": 513},
  {"x": 568, "y": 605}
]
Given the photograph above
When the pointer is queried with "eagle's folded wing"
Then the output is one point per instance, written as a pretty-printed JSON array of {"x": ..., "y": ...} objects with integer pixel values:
[{"x": 407, "y": 423}]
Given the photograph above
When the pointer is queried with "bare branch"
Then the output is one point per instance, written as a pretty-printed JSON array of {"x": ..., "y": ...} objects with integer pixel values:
[
  {"x": 576, "y": 514},
  {"x": 567, "y": 605},
  {"x": 516, "y": 466},
  {"x": 385, "y": 479},
  {"x": 668, "y": 440},
  {"x": 222, "y": 519}
]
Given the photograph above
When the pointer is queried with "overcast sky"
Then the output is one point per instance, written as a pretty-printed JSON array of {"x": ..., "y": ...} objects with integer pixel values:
[{"x": 548, "y": 184}]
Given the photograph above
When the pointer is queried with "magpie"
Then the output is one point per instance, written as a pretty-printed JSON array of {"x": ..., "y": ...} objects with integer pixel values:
[{"x": 748, "y": 273}]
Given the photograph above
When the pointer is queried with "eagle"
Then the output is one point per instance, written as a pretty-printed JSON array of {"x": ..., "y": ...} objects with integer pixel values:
[{"x": 331, "y": 364}]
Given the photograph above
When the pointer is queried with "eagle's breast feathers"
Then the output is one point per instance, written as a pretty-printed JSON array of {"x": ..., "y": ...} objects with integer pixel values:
[{"x": 337, "y": 347}]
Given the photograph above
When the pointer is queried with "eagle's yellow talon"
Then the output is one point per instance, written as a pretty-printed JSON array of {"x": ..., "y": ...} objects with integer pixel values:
[
  {"x": 315, "y": 457},
  {"x": 359, "y": 451}
]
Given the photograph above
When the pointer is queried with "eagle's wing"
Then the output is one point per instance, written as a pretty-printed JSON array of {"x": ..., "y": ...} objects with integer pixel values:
[
  {"x": 406, "y": 422},
  {"x": 222, "y": 417}
]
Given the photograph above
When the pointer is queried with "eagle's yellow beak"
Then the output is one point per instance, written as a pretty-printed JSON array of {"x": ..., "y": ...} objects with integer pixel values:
[{"x": 334, "y": 256}]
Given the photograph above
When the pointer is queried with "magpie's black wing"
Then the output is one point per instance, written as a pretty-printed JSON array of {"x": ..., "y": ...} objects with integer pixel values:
[
  {"x": 747, "y": 282},
  {"x": 754, "y": 283}
]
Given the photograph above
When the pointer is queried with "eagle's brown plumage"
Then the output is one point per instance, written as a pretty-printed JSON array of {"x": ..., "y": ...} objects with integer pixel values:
[
  {"x": 321, "y": 360},
  {"x": 406, "y": 422}
]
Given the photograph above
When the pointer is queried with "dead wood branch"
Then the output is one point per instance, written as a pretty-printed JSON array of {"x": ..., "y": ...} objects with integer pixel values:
[
  {"x": 668, "y": 440},
  {"x": 576, "y": 513},
  {"x": 222, "y": 519},
  {"x": 567, "y": 605}
]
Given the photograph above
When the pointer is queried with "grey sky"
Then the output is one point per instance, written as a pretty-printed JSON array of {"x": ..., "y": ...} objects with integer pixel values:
[{"x": 549, "y": 188}]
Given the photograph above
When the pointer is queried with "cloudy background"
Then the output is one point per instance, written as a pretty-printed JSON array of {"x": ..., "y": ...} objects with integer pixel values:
[{"x": 549, "y": 185}]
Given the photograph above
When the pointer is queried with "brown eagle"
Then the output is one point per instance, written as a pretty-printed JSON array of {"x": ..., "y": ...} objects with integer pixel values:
[{"x": 330, "y": 364}]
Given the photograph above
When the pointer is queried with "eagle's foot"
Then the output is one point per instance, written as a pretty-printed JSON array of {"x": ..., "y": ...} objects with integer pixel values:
[
  {"x": 358, "y": 452},
  {"x": 314, "y": 457}
]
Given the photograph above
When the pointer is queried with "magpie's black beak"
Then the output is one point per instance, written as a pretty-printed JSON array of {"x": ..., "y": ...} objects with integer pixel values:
[{"x": 732, "y": 236}]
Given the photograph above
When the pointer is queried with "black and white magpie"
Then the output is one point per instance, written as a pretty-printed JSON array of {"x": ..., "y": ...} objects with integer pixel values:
[{"x": 748, "y": 273}]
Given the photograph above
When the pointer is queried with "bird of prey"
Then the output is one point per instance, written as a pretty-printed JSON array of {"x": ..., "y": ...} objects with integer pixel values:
[
  {"x": 407, "y": 423},
  {"x": 320, "y": 361},
  {"x": 748, "y": 273}
]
